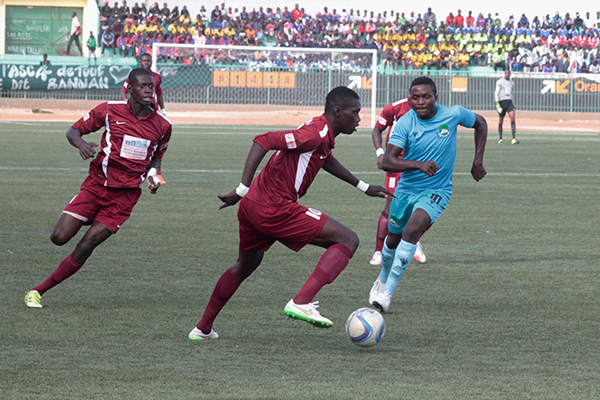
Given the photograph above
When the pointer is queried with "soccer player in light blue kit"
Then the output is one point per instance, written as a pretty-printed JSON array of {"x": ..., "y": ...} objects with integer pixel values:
[{"x": 427, "y": 134}]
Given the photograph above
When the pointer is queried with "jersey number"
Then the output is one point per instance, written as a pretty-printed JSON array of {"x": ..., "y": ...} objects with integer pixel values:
[{"x": 316, "y": 214}]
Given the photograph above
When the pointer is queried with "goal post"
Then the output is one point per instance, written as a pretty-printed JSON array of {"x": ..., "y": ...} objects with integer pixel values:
[{"x": 264, "y": 75}]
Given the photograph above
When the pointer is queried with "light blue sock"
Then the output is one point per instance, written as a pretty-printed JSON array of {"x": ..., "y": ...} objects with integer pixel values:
[
  {"x": 404, "y": 255},
  {"x": 387, "y": 257}
]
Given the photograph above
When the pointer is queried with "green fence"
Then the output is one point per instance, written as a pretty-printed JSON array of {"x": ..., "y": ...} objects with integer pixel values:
[{"x": 298, "y": 87}]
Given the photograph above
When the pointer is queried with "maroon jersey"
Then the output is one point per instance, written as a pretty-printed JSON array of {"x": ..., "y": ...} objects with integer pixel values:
[
  {"x": 390, "y": 114},
  {"x": 157, "y": 88},
  {"x": 291, "y": 170},
  {"x": 128, "y": 144}
]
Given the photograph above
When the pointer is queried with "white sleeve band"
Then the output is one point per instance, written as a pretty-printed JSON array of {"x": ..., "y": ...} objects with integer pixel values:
[
  {"x": 362, "y": 186},
  {"x": 242, "y": 190},
  {"x": 379, "y": 152},
  {"x": 152, "y": 172}
]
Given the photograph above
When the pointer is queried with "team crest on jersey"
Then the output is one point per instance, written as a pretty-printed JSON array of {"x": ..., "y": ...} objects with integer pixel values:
[
  {"x": 444, "y": 131},
  {"x": 393, "y": 221}
]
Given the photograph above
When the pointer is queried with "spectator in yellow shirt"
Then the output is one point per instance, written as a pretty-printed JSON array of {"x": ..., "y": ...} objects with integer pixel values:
[{"x": 463, "y": 60}]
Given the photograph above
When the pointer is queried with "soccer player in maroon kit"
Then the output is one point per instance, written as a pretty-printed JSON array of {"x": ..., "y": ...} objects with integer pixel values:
[
  {"x": 131, "y": 149},
  {"x": 157, "y": 99},
  {"x": 269, "y": 209},
  {"x": 390, "y": 114}
]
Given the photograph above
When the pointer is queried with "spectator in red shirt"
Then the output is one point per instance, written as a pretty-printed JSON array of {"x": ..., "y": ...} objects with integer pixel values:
[
  {"x": 470, "y": 19},
  {"x": 459, "y": 20},
  {"x": 297, "y": 12}
]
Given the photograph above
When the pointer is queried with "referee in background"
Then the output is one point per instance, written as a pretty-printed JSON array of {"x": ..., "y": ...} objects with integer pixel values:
[{"x": 504, "y": 105}]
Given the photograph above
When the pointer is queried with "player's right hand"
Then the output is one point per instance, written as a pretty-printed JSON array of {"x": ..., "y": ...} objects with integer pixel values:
[
  {"x": 86, "y": 150},
  {"x": 428, "y": 167},
  {"x": 499, "y": 108},
  {"x": 229, "y": 199}
]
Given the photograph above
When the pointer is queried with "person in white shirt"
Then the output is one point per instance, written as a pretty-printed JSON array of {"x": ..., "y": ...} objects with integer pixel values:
[
  {"x": 504, "y": 105},
  {"x": 75, "y": 32}
]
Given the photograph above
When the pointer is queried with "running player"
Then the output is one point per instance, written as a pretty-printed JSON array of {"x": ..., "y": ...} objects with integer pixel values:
[
  {"x": 504, "y": 105},
  {"x": 131, "y": 149},
  {"x": 427, "y": 135},
  {"x": 390, "y": 114},
  {"x": 157, "y": 98},
  {"x": 269, "y": 210}
]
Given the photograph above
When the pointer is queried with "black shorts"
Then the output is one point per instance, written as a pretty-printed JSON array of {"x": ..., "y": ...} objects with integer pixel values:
[{"x": 507, "y": 106}]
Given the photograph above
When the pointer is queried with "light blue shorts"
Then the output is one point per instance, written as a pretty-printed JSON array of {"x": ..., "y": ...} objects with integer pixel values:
[{"x": 433, "y": 202}]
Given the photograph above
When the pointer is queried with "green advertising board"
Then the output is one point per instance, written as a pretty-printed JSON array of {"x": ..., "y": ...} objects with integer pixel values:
[
  {"x": 65, "y": 77},
  {"x": 38, "y": 30}
]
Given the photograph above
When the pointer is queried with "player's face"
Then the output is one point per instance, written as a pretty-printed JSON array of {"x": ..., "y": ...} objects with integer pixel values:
[
  {"x": 348, "y": 117},
  {"x": 422, "y": 100},
  {"x": 142, "y": 89},
  {"x": 146, "y": 63},
  {"x": 507, "y": 74}
]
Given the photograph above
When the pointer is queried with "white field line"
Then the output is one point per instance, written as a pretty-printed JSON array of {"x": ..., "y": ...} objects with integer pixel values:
[{"x": 230, "y": 171}]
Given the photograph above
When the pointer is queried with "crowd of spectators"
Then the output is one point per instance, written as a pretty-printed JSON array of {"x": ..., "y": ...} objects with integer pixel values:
[{"x": 550, "y": 44}]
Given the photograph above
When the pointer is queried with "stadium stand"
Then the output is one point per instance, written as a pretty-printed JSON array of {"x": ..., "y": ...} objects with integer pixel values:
[{"x": 413, "y": 42}]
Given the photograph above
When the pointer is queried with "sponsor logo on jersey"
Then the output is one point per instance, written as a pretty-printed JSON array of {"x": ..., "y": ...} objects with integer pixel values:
[
  {"x": 444, "y": 131},
  {"x": 393, "y": 221},
  {"x": 382, "y": 121},
  {"x": 290, "y": 140}
]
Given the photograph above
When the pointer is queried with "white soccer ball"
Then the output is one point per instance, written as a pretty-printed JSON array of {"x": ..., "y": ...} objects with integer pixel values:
[{"x": 365, "y": 327}]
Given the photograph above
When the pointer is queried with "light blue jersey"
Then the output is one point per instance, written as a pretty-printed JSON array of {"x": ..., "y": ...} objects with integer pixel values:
[{"x": 432, "y": 139}]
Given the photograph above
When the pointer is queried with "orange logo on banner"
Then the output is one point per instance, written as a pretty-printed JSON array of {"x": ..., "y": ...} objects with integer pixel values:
[
  {"x": 254, "y": 79},
  {"x": 287, "y": 80},
  {"x": 221, "y": 79},
  {"x": 237, "y": 79},
  {"x": 459, "y": 84},
  {"x": 271, "y": 79},
  {"x": 563, "y": 87},
  {"x": 367, "y": 83}
]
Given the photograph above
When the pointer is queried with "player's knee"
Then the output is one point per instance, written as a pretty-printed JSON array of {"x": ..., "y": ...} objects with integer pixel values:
[
  {"x": 411, "y": 235},
  {"x": 59, "y": 238},
  {"x": 351, "y": 240}
]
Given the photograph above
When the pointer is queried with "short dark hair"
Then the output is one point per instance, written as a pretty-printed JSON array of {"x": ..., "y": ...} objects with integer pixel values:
[
  {"x": 145, "y": 54},
  {"x": 339, "y": 97},
  {"x": 136, "y": 72},
  {"x": 424, "y": 80}
]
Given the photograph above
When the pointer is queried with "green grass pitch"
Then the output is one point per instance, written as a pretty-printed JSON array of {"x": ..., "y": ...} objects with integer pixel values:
[{"x": 506, "y": 307}]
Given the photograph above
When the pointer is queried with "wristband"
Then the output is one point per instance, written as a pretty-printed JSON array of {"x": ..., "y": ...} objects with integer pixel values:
[
  {"x": 379, "y": 152},
  {"x": 362, "y": 186},
  {"x": 152, "y": 172},
  {"x": 242, "y": 190}
]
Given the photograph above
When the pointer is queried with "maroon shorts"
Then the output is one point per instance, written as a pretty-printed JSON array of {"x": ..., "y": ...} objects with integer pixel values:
[
  {"x": 109, "y": 206},
  {"x": 292, "y": 224},
  {"x": 391, "y": 180}
]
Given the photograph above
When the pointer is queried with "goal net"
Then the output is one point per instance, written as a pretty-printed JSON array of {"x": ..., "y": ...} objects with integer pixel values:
[{"x": 260, "y": 76}]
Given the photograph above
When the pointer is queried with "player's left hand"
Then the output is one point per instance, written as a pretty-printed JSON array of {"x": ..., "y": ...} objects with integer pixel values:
[
  {"x": 378, "y": 191},
  {"x": 229, "y": 199},
  {"x": 478, "y": 171},
  {"x": 153, "y": 184},
  {"x": 379, "y": 161}
]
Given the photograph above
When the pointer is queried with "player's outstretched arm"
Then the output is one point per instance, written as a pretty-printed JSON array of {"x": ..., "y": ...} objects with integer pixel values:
[
  {"x": 335, "y": 168},
  {"x": 255, "y": 156},
  {"x": 478, "y": 170},
  {"x": 86, "y": 150},
  {"x": 392, "y": 163}
]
